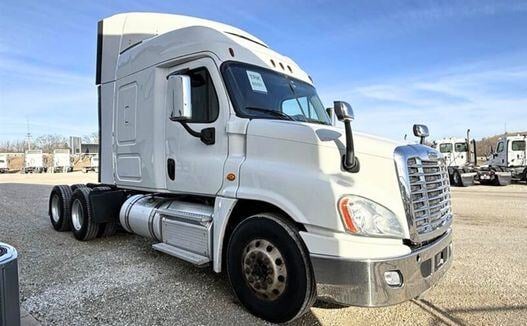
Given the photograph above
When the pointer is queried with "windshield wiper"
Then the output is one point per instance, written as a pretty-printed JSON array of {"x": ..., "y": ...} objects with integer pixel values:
[{"x": 280, "y": 114}]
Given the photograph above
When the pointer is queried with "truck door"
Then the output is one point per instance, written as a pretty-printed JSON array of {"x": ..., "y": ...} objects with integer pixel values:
[
  {"x": 191, "y": 165},
  {"x": 500, "y": 157}
]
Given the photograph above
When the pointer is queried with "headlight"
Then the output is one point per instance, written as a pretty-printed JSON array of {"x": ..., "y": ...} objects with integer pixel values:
[{"x": 366, "y": 217}]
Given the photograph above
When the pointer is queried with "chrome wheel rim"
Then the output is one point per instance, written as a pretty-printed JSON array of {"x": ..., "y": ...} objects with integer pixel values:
[
  {"x": 264, "y": 269},
  {"x": 55, "y": 208},
  {"x": 77, "y": 216}
]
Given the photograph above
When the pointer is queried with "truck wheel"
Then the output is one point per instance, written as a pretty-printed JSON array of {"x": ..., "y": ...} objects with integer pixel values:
[
  {"x": 59, "y": 208},
  {"x": 78, "y": 185},
  {"x": 81, "y": 215},
  {"x": 109, "y": 228},
  {"x": 269, "y": 268},
  {"x": 456, "y": 178}
]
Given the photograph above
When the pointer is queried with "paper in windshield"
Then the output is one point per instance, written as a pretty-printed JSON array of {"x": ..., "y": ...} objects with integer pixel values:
[{"x": 256, "y": 81}]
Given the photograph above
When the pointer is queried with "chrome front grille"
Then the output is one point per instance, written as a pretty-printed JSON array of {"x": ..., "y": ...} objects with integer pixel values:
[
  {"x": 429, "y": 193},
  {"x": 424, "y": 183}
]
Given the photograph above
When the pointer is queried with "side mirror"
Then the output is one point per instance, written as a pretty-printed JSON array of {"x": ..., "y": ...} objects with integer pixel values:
[
  {"x": 178, "y": 97},
  {"x": 421, "y": 131},
  {"x": 343, "y": 111}
]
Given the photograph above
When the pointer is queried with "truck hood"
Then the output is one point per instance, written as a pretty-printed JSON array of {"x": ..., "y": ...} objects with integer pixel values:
[{"x": 321, "y": 135}]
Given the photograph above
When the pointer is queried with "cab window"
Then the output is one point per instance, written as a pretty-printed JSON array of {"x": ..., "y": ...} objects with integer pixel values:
[
  {"x": 500, "y": 147},
  {"x": 518, "y": 145},
  {"x": 445, "y": 148},
  {"x": 461, "y": 147},
  {"x": 205, "y": 107}
]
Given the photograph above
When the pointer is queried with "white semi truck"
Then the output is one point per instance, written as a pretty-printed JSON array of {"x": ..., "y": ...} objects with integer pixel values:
[
  {"x": 4, "y": 163},
  {"x": 62, "y": 160},
  {"x": 504, "y": 166},
  {"x": 219, "y": 150},
  {"x": 34, "y": 161},
  {"x": 457, "y": 157},
  {"x": 511, "y": 156}
]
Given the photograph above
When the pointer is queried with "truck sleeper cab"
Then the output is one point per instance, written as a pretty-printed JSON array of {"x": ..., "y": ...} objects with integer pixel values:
[{"x": 219, "y": 150}]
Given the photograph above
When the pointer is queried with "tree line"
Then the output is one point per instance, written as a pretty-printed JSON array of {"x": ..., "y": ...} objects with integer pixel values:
[{"x": 47, "y": 143}]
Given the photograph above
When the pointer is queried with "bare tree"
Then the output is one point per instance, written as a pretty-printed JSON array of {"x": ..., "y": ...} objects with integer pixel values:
[
  {"x": 47, "y": 143},
  {"x": 12, "y": 146},
  {"x": 92, "y": 138}
]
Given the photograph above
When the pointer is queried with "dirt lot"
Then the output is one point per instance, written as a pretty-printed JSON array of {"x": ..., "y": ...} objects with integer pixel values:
[{"x": 121, "y": 280}]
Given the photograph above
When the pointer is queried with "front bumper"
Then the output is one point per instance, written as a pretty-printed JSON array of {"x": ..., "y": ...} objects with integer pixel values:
[{"x": 362, "y": 282}]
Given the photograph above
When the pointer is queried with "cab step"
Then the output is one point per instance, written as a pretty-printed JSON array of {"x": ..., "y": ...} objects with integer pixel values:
[{"x": 191, "y": 257}]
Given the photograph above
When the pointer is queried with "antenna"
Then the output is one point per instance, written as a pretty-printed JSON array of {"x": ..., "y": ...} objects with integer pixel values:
[{"x": 28, "y": 136}]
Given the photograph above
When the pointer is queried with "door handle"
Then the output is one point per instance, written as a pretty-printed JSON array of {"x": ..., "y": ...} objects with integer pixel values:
[{"x": 171, "y": 168}]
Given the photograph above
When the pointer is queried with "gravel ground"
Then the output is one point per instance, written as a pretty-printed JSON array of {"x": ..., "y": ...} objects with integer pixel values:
[{"x": 121, "y": 280}]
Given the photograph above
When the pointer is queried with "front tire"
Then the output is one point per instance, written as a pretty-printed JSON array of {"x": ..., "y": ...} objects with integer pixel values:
[
  {"x": 83, "y": 226},
  {"x": 269, "y": 268},
  {"x": 59, "y": 208}
]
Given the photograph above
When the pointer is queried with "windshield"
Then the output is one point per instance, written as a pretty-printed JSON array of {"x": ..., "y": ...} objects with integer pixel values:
[
  {"x": 263, "y": 93},
  {"x": 461, "y": 147},
  {"x": 445, "y": 148}
]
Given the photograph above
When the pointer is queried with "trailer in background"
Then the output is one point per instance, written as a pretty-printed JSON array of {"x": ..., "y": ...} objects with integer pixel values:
[
  {"x": 34, "y": 161},
  {"x": 62, "y": 160},
  {"x": 94, "y": 164},
  {"x": 4, "y": 168}
]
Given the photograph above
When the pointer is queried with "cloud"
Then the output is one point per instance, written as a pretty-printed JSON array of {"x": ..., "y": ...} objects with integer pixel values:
[{"x": 481, "y": 97}]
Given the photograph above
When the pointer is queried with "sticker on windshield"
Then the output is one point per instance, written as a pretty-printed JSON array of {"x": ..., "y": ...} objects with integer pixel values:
[{"x": 256, "y": 81}]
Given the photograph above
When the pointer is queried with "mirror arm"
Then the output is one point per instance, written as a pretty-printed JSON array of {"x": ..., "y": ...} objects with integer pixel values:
[
  {"x": 349, "y": 161},
  {"x": 206, "y": 135}
]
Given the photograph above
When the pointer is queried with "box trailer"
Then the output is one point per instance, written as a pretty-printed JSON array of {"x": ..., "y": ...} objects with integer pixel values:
[
  {"x": 219, "y": 149},
  {"x": 93, "y": 165},
  {"x": 34, "y": 161},
  {"x": 4, "y": 163},
  {"x": 62, "y": 160}
]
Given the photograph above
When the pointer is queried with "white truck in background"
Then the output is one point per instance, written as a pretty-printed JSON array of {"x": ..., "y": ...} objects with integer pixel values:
[
  {"x": 62, "y": 160},
  {"x": 219, "y": 150},
  {"x": 504, "y": 166},
  {"x": 34, "y": 161},
  {"x": 458, "y": 159},
  {"x": 4, "y": 163},
  {"x": 93, "y": 165},
  {"x": 511, "y": 156}
]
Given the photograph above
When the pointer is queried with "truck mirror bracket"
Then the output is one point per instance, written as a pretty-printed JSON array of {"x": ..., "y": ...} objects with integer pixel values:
[{"x": 206, "y": 135}]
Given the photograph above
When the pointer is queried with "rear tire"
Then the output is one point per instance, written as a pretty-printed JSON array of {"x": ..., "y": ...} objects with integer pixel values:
[
  {"x": 59, "y": 208},
  {"x": 269, "y": 268},
  {"x": 78, "y": 185},
  {"x": 83, "y": 226}
]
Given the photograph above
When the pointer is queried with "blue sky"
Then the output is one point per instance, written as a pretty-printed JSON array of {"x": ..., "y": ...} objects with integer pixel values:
[{"x": 450, "y": 64}]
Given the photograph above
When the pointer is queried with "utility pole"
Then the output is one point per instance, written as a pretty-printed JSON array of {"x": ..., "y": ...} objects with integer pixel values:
[{"x": 28, "y": 136}]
